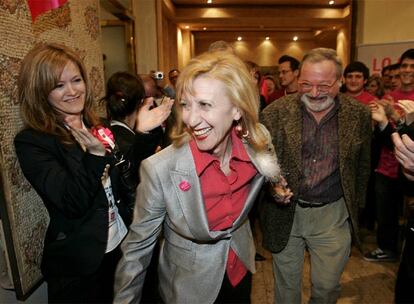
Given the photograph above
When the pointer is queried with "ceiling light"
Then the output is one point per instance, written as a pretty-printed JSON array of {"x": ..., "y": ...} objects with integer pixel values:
[
  {"x": 295, "y": 38},
  {"x": 332, "y": 2},
  {"x": 239, "y": 38},
  {"x": 267, "y": 38},
  {"x": 187, "y": 27},
  {"x": 209, "y": 1}
]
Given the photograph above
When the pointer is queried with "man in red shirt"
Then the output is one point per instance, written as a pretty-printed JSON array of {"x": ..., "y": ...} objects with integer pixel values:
[
  {"x": 385, "y": 76},
  {"x": 388, "y": 191},
  {"x": 395, "y": 80},
  {"x": 356, "y": 75}
]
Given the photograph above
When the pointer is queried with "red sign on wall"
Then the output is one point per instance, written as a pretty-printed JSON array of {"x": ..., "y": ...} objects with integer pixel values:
[
  {"x": 377, "y": 56},
  {"x": 38, "y": 7}
]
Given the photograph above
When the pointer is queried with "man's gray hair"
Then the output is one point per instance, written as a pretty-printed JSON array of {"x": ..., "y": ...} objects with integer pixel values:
[
  {"x": 220, "y": 45},
  {"x": 322, "y": 54}
]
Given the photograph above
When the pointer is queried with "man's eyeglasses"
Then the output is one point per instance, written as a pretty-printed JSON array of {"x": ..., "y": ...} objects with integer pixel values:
[
  {"x": 321, "y": 88},
  {"x": 284, "y": 72}
]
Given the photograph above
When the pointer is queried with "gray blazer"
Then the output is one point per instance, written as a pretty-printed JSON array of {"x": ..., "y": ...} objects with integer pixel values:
[{"x": 192, "y": 259}]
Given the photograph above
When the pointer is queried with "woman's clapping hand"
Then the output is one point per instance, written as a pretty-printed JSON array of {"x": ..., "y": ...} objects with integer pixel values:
[{"x": 149, "y": 118}]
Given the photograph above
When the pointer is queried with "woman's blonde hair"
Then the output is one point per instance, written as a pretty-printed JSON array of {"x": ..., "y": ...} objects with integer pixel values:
[
  {"x": 40, "y": 72},
  {"x": 240, "y": 89}
]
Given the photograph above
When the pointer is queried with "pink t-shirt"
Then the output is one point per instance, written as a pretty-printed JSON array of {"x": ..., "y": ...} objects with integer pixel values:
[
  {"x": 364, "y": 97},
  {"x": 388, "y": 164}
]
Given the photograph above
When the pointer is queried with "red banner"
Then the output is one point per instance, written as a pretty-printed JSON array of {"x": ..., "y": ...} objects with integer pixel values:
[{"x": 38, "y": 7}]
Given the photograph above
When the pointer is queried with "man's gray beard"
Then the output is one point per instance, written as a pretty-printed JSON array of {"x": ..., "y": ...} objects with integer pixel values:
[{"x": 317, "y": 107}]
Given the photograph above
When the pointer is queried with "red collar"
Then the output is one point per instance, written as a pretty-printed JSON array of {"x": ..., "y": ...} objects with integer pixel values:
[{"x": 203, "y": 159}]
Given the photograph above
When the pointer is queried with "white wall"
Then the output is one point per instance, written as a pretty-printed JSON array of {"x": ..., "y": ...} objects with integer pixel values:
[{"x": 382, "y": 21}]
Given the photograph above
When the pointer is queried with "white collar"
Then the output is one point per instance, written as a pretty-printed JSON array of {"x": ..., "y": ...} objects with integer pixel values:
[{"x": 121, "y": 124}]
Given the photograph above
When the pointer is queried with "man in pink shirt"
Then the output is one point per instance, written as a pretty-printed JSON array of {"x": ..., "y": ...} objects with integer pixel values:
[
  {"x": 388, "y": 190},
  {"x": 395, "y": 80},
  {"x": 356, "y": 75}
]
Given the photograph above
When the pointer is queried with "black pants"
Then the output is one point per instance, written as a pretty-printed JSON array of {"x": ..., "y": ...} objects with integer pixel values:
[
  {"x": 389, "y": 201},
  {"x": 405, "y": 278},
  {"x": 94, "y": 288},
  {"x": 237, "y": 294}
]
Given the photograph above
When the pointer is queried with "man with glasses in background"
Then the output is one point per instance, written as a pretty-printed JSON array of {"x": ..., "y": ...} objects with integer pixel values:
[
  {"x": 322, "y": 139},
  {"x": 288, "y": 76}
]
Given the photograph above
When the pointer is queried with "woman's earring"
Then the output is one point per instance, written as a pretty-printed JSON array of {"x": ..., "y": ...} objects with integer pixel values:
[{"x": 239, "y": 129}]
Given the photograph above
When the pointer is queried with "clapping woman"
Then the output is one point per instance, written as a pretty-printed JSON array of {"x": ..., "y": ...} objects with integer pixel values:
[
  {"x": 66, "y": 155},
  {"x": 200, "y": 189},
  {"x": 134, "y": 120}
]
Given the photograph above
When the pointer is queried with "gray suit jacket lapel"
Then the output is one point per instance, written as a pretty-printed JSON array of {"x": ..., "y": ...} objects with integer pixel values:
[{"x": 191, "y": 201}]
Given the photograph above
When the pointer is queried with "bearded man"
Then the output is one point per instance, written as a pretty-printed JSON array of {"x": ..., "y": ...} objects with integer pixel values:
[{"x": 322, "y": 139}]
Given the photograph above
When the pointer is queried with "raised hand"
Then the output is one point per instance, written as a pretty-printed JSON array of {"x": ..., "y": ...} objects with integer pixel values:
[
  {"x": 378, "y": 114},
  {"x": 388, "y": 104},
  {"x": 404, "y": 152},
  {"x": 408, "y": 107},
  {"x": 148, "y": 119}
]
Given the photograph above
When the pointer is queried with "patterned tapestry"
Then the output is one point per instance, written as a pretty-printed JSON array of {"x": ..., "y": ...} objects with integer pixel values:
[{"x": 23, "y": 216}]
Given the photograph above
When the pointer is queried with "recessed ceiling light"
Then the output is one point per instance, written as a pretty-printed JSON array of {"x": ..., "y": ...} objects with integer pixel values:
[
  {"x": 209, "y": 1},
  {"x": 187, "y": 27},
  {"x": 295, "y": 38},
  {"x": 332, "y": 2},
  {"x": 204, "y": 28},
  {"x": 267, "y": 38},
  {"x": 239, "y": 38}
]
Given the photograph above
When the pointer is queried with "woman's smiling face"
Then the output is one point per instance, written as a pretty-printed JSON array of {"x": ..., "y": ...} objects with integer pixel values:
[
  {"x": 209, "y": 115},
  {"x": 68, "y": 97}
]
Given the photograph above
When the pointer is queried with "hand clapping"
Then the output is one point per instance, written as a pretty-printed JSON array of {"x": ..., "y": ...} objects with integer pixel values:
[
  {"x": 408, "y": 107},
  {"x": 378, "y": 114},
  {"x": 404, "y": 152},
  {"x": 88, "y": 142},
  {"x": 148, "y": 119}
]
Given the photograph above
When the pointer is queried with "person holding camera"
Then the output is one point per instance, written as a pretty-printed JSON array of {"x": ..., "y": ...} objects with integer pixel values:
[{"x": 66, "y": 154}]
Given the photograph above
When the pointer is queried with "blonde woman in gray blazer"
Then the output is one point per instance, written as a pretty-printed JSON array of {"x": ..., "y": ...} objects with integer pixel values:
[{"x": 216, "y": 110}]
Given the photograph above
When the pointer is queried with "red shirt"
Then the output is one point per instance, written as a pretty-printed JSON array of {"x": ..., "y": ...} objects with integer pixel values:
[
  {"x": 364, "y": 97},
  {"x": 225, "y": 196},
  {"x": 401, "y": 95},
  {"x": 388, "y": 164},
  {"x": 279, "y": 94}
]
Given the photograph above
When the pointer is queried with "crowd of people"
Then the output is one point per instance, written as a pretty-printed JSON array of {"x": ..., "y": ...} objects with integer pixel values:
[{"x": 151, "y": 203}]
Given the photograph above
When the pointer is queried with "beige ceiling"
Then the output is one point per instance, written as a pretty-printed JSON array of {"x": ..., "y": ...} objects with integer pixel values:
[{"x": 281, "y": 18}]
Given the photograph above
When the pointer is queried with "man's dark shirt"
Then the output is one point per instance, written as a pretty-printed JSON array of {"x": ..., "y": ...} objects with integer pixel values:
[{"x": 321, "y": 181}]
